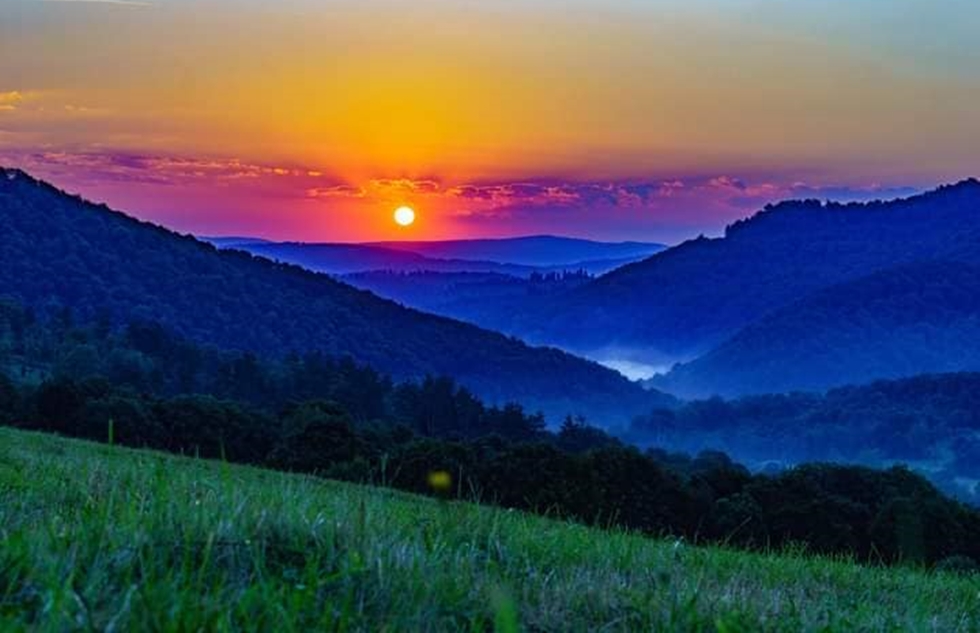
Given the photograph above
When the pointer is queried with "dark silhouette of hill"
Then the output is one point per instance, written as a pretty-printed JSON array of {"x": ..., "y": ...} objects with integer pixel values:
[
  {"x": 686, "y": 300},
  {"x": 232, "y": 241},
  {"x": 59, "y": 250},
  {"x": 540, "y": 251},
  {"x": 913, "y": 319},
  {"x": 344, "y": 259}
]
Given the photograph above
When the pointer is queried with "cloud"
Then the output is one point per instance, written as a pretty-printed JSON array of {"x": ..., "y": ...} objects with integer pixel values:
[
  {"x": 101, "y": 167},
  {"x": 526, "y": 192},
  {"x": 10, "y": 100},
  {"x": 46, "y": 108},
  {"x": 838, "y": 193},
  {"x": 728, "y": 182},
  {"x": 404, "y": 186},
  {"x": 335, "y": 191},
  {"x": 589, "y": 194},
  {"x": 668, "y": 209}
]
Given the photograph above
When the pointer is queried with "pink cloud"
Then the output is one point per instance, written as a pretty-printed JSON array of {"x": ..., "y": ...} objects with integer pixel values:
[
  {"x": 234, "y": 195},
  {"x": 335, "y": 191},
  {"x": 406, "y": 186}
]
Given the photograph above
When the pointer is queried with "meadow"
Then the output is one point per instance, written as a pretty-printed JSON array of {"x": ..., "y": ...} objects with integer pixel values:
[{"x": 101, "y": 538}]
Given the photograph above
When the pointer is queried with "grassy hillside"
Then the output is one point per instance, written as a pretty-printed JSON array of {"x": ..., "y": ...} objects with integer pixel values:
[{"x": 95, "y": 538}]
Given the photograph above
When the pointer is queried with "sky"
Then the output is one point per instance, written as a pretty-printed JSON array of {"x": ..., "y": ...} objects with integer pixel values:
[{"x": 616, "y": 119}]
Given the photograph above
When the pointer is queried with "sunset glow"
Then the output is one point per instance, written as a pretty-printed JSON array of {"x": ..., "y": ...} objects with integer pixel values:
[{"x": 663, "y": 119}]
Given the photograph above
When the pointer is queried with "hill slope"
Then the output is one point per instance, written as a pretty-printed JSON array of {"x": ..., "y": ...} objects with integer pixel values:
[
  {"x": 686, "y": 300},
  {"x": 162, "y": 542},
  {"x": 919, "y": 318},
  {"x": 486, "y": 299},
  {"x": 59, "y": 250}
]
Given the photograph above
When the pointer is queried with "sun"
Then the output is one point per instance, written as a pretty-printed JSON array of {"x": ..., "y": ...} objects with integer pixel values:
[{"x": 404, "y": 216}]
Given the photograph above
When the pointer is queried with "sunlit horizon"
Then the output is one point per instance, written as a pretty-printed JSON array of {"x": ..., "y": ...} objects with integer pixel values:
[{"x": 617, "y": 120}]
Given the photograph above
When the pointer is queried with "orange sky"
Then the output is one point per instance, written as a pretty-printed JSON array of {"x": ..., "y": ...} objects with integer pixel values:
[{"x": 183, "y": 111}]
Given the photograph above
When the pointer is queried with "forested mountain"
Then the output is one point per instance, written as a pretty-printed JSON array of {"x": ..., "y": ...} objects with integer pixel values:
[
  {"x": 60, "y": 251},
  {"x": 144, "y": 387},
  {"x": 487, "y": 299},
  {"x": 63, "y": 361},
  {"x": 913, "y": 319},
  {"x": 686, "y": 300},
  {"x": 931, "y": 422}
]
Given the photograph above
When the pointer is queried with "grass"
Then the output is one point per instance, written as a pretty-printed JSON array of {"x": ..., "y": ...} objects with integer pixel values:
[{"x": 97, "y": 538}]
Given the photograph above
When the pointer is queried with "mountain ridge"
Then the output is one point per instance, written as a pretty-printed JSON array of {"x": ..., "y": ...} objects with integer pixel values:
[
  {"x": 528, "y": 250},
  {"x": 918, "y": 318},
  {"x": 510, "y": 256},
  {"x": 683, "y": 301},
  {"x": 347, "y": 259},
  {"x": 62, "y": 250}
]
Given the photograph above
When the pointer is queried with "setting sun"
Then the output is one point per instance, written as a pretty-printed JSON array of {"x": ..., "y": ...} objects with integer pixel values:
[{"x": 404, "y": 216}]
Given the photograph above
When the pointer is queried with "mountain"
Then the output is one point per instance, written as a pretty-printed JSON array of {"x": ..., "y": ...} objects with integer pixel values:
[
  {"x": 511, "y": 255},
  {"x": 538, "y": 251},
  {"x": 912, "y": 319},
  {"x": 60, "y": 251},
  {"x": 486, "y": 299},
  {"x": 930, "y": 422},
  {"x": 344, "y": 259},
  {"x": 686, "y": 300},
  {"x": 234, "y": 241}
]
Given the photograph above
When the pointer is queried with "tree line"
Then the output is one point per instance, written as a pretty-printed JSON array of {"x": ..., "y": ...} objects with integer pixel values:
[
  {"x": 932, "y": 421},
  {"x": 143, "y": 387}
]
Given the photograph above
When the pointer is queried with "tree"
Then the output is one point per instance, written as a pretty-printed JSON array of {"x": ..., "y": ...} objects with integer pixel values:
[
  {"x": 9, "y": 400},
  {"x": 57, "y": 403},
  {"x": 315, "y": 436},
  {"x": 213, "y": 428},
  {"x": 577, "y": 436},
  {"x": 512, "y": 423}
]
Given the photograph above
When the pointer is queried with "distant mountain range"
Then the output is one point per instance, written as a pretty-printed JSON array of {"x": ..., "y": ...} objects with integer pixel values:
[
  {"x": 802, "y": 295},
  {"x": 519, "y": 257},
  {"x": 61, "y": 251},
  {"x": 541, "y": 251}
]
